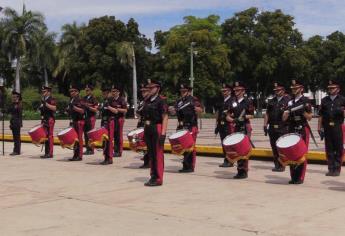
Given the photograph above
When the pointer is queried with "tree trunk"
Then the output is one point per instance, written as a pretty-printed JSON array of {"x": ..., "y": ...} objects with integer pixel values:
[
  {"x": 17, "y": 80},
  {"x": 45, "y": 77},
  {"x": 135, "y": 93}
]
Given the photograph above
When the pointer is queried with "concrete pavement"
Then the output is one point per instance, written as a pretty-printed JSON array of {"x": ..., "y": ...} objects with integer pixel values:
[{"x": 57, "y": 197}]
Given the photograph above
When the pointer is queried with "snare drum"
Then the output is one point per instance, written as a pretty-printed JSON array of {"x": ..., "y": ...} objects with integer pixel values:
[
  {"x": 68, "y": 137},
  {"x": 97, "y": 136},
  {"x": 181, "y": 142},
  {"x": 136, "y": 139},
  {"x": 38, "y": 134},
  {"x": 292, "y": 149},
  {"x": 237, "y": 147}
]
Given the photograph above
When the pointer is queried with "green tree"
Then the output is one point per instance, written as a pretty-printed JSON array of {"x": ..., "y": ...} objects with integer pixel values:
[
  {"x": 126, "y": 55},
  {"x": 67, "y": 54},
  {"x": 211, "y": 64},
  {"x": 18, "y": 35},
  {"x": 43, "y": 52},
  {"x": 265, "y": 47}
]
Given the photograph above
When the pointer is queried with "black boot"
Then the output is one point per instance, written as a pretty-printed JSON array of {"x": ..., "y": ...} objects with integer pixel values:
[
  {"x": 241, "y": 174},
  {"x": 226, "y": 163},
  {"x": 76, "y": 159},
  {"x": 152, "y": 183}
]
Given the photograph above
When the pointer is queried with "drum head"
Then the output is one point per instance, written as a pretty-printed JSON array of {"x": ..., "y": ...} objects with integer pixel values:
[
  {"x": 35, "y": 128},
  {"x": 288, "y": 140},
  {"x": 62, "y": 132},
  {"x": 135, "y": 132},
  {"x": 233, "y": 139},
  {"x": 178, "y": 134}
]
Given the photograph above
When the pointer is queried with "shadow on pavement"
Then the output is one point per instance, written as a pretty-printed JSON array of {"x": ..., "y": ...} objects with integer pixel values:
[
  {"x": 274, "y": 179},
  {"x": 336, "y": 185},
  {"x": 140, "y": 179},
  {"x": 262, "y": 167},
  {"x": 134, "y": 165},
  {"x": 225, "y": 174},
  {"x": 213, "y": 163}
]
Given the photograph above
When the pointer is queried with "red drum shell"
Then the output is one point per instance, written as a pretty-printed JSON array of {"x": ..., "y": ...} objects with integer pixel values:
[
  {"x": 291, "y": 147},
  {"x": 68, "y": 137},
  {"x": 237, "y": 143},
  {"x": 181, "y": 142},
  {"x": 136, "y": 139},
  {"x": 38, "y": 134},
  {"x": 97, "y": 135}
]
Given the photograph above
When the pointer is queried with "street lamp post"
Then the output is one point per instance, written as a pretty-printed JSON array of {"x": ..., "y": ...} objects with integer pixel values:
[
  {"x": 135, "y": 86},
  {"x": 192, "y": 44}
]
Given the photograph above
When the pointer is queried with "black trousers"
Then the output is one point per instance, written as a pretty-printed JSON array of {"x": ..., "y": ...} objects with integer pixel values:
[
  {"x": 222, "y": 134},
  {"x": 87, "y": 128},
  {"x": 151, "y": 139},
  {"x": 334, "y": 146},
  {"x": 274, "y": 136},
  {"x": 16, "y": 138}
]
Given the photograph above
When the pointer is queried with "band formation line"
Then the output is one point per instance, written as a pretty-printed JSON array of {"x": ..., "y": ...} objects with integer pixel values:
[{"x": 285, "y": 122}]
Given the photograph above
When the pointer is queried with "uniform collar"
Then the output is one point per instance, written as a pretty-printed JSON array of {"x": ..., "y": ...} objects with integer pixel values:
[
  {"x": 333, "y": 97},
  {"x": 279, "y": 98}
]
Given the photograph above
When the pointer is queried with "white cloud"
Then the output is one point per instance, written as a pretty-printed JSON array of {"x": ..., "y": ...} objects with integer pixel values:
[{"x": 311, "y": 16}]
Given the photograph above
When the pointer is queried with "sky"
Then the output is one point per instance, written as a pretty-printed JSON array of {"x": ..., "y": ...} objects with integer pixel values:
[{"x": 311, "y": 16}]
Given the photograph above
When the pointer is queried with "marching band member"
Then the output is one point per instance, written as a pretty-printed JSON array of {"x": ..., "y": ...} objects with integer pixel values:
[
  {"x": 223, "y": 127},
  {"x": 187, "y": 109},
  {"x": 156, "y": 120},
  {"x": 107, "y": 121},
  {"x": 76, "y": 113},
  {"x": 240, "y": 113},
  {"x": 330, "y": 124},
  {"x": 47, "y": 109},
  {"x": 141, "y": 123},
  {"x": 16, "y": 121},
  {"x": 274, "y": 125},
  {"x": 298, "y": 123},
  {"x": 91, "y": 107},
  {"x": 120, "y": 107}
]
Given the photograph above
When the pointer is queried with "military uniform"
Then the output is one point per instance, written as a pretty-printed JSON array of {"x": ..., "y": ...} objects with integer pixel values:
[
  {"x": 154, "y": 110},
  {"x": 332, "y": 114},
  {"x": 78, "y": 121},
  {"x": 188, "y": 120},
  {"x": 90, "y": 117},
  {"x": 119, "y": 120},
  {"x": 223, "y": 127},
  {"x": 48, "y": 122},
  {"x": 276, "y": 127},
  {"x": 241, "y": 107},
  {"x": 16, "y": 122},
  {"x": 297, "y": 123},
  {"x": 107, "y": 122}
]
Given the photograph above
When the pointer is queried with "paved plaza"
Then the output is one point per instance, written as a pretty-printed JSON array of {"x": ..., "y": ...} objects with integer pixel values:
[{"x": 57, "y": 197}]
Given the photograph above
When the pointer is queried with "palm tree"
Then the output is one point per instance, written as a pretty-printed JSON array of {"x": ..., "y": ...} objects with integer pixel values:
[
  {"x": 68, "y": 45},
  {"x": 43, "y": 52},
  {"x": 126, "y": 55},
  {"x": 18, "y": 35}
]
